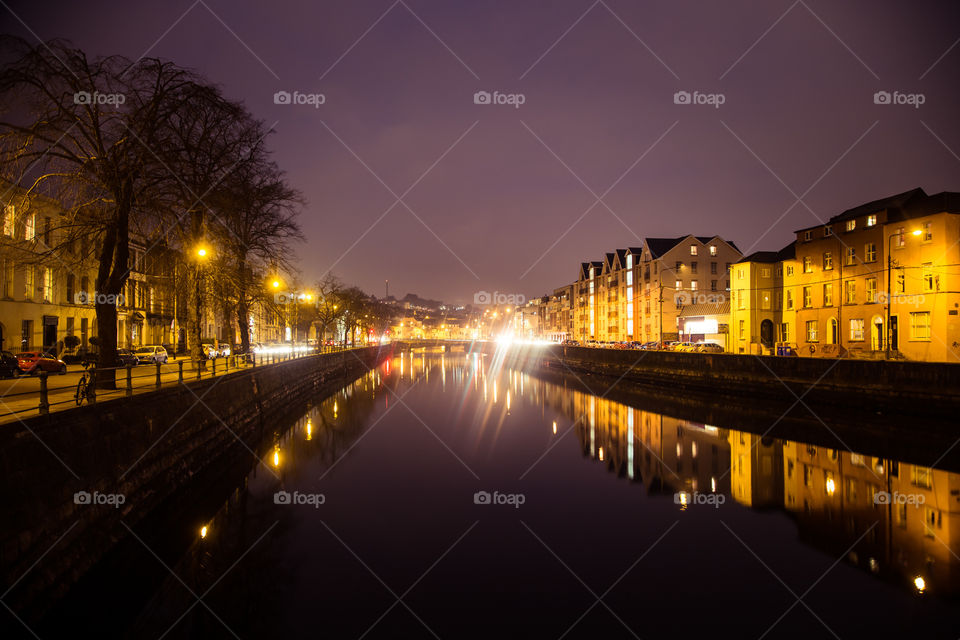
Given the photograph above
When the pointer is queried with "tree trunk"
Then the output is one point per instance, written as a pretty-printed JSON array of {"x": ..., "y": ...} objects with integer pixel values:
[
  {"x": 243, "y": 309},
  {"x": 111, "y": 276}
]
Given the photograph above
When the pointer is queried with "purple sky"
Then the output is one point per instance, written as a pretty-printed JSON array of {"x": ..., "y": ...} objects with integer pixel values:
[{"x": 798, "y": 120}]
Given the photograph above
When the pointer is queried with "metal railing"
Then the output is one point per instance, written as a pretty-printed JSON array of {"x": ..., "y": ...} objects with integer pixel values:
[{"x": 131, "y": 379}]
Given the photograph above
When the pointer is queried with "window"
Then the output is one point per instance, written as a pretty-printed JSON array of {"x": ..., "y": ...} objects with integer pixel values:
[
  {"x": 743, "y": 330},
  {"x": 920, "y": 325},
  {"x": 679, "y": 285},
  {"x": 765, "y": 272},
  {"x": 47, "y": 284},
  {"x": 807, "y": 264},
  {"x": 740, "y": 274},
  {"x": 851, "y": 225},
  {"x": 901, "y": 281},
  {"x": 808, "y": 235},
  {"x": 871, "y": 289},
  {"x": 30, "y": 226},
  {"x": 784, "y": 330},
  {"x": 827, "y": 231},
  {"x": 741, "y": 300},
  {"x": 765, "y": 300},
  {"x": 8, "y": 279},
  {"x": 927, "y": 231},
  {"x": 851, "y": 255},
  {"x": 871, "y": 219},
  {"x": 713, "y": 285},
  {"x": 922, "y": 477},
  {"x": 789, "y": 269},
  {"x": 694, "y": 285},
  {"x": 926, "y": 276},
  {"x": 678, "y": 266},
  {"x": 789, "y": 298},
  {"x": 856, "y": 329},
  {"x": 713, "y": 249},
  {"x": 713, "y": 268},
  {"x": 28, "y": 285},
  {"x": 9, "y": 220},
  {"x": 827, "y": 260},
  {"x": 807, "y": 298},
  {"x": 870, "y": 252},
  {"x": 901, "y": 237},
  {"x": 693, "y": 249},
  {"x": 828, "y": 294},
  {"x": 693, "y": 267},
  {"x": 850, "y": 292}
]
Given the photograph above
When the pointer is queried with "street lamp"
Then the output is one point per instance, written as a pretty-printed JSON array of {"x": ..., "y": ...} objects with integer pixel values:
[
  {"x": 898, "y": 234},
  {"x": 202, "y": 253}
]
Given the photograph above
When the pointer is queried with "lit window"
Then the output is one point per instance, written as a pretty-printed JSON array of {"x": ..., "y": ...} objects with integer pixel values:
[
  {"x": 807, "y": 264},
  {"x": 926, "y": 275},
  {"x": 693, "y": 249},
  {"x": 828, "y": 294},
  {"x": 48, "y": 284},
  {"x": 789, "y": 299},
  {"x": 850, "y": 292},
  {"x": 713, "y": 249},
  {"x": 920, "y": 325},
  {"x": 789, "y": 269},
  {"x": 679, "y": 285},
  {"x": 856, "y": 329},
  {"x": 740, "y": 273},
  {"x": 871, "y": 220},
  {"x": 851, "y": 225},
  {"x": 807, "y": 298},
  {"x": 901, "y": 237},
  {"x": 741, "y": 300},
  {"x": 927, "y": 231},
  {"x": 870, "y": 251},
  {"x": 694, "y": 285},
  {"x": 827, "y": 261},
  {"x": 9, "y": 220},
  {"x": 30, "y": 226},
  {"x": 871, "y": 289},
  {"x": 812, "y": 331},
  {"x": 28, "y": 286},
  {"x": 851, "y": 255}
]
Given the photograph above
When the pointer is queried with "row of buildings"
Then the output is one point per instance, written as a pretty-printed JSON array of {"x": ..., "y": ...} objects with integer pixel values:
[
  {"x": 47, "y": 287},
  {"x": 879, "y": 280}
]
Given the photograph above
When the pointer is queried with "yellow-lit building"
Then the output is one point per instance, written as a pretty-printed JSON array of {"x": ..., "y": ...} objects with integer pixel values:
[
  {"x": 881, "y": 279},
  {"x": 756, "y": 301}
]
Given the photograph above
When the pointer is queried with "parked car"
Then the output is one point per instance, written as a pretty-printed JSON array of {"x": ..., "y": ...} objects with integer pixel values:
[
  {"x": 650, "y": 346},
  {"x": 685, "y": 346},
  {"x": 36, "y": 361},
  {"x": 151, "y": 354},
  {"x": 126, "y": 357},
  {"x": 9, "y": 365},
  {"x": 570, "y": 343},
  {"x": 709, "y": 347},
  {"x": 669, "y": 345},
  {"x": 74, "y": 355}
]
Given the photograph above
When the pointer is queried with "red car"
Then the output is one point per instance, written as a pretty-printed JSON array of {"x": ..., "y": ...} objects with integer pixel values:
[{"x": 35, "y": 362}]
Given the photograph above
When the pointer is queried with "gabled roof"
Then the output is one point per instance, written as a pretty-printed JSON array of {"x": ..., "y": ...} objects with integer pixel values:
[{"x": 660, "y": 246}]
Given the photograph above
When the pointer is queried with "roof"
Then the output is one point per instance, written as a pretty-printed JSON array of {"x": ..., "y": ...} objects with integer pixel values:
[
  {"x": 769, "y": 257},
  {"x": 660, "y": 246},
  {"x": 706, "y": 309},
  {"x": 895, "y": 203}
]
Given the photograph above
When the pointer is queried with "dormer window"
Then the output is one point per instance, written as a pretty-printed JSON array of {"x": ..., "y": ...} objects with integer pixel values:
[
  {"x": 871, "y": 220},
  {"x": 713, "y": 249},
  {"x": 851, "y": 225},
  {"x": 693, "y": 249},
  {"x": 827, "y": 231},
  {"x": 808, "y": 235}
]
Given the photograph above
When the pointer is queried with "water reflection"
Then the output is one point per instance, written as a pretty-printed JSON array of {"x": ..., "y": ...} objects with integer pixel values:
[{"x": 893, "y": 519}]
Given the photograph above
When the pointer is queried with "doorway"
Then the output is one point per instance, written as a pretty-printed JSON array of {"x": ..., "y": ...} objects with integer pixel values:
[
  {"x": 876, "y": 334},
  {"x": 894, "y": 339},
  {"x": 766, "y": 333},
  {"x": 833, "y": 331}
]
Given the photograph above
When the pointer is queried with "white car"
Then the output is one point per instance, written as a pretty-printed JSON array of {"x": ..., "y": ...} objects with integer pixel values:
[{"x": 151, "y": 354}]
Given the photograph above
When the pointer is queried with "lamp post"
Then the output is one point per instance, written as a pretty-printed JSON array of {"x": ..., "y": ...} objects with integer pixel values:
[
  {"x": 202, "y": 253},
  {"x": 902, "y": 236}
]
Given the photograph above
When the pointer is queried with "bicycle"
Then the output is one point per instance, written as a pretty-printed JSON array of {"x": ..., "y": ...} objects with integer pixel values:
[{"x": 85, "y": 388}]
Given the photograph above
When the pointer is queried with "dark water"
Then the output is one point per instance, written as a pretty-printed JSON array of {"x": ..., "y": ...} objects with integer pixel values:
[{"x": 612, "y": 522}]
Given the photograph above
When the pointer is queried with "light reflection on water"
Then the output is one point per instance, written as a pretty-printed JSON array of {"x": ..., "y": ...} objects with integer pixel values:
[{"x": 442, "y": 425}]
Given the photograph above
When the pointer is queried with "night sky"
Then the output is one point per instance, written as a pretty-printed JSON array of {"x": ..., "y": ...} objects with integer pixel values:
[{"x": 496, "y": 197}]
